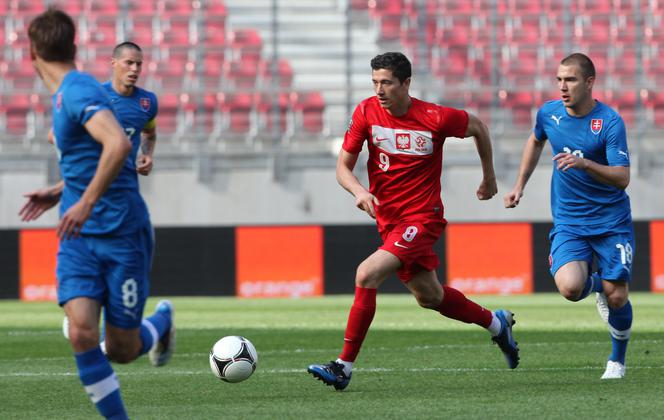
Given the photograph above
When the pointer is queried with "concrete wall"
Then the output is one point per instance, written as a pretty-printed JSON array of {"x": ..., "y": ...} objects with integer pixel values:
[{"x": 252, "y": 196}]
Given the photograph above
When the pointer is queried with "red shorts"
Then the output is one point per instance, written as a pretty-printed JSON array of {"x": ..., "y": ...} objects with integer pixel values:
[{"x": 412, "y": 242}]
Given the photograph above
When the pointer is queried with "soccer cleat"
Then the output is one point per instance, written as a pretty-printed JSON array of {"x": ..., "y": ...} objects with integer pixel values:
[
  {"x": 332, "y": 374},
  {"x": 161, "y": 353},
  {"x": 602, "y": 306},
  {"x": 505, "y": 340},
  {"x": 614, "y": 370}
]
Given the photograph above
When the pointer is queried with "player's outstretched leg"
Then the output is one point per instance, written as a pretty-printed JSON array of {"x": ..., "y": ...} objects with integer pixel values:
[
  {"x": 505, "y": 340},
  {"x": 162, "y": 325},
  {"x": 332, "y": 374}
]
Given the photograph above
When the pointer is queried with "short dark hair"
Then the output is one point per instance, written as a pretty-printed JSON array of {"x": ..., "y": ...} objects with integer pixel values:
[
  {"x": 52, "y": 35},
  {"x": 128, "y": 45},
  {"x": 394, "y": 61},
  {"x": 581, "y": 60}
]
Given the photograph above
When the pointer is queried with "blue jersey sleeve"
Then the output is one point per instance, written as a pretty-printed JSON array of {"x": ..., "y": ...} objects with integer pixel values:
[
  {"x": 85, "y": 100},
  {"x": 155, "y": 107},
  {"x": 617, "y": 153},
  {"x": 540, "y": 133}
]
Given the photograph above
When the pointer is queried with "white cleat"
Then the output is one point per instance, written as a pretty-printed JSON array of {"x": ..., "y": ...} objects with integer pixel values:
[
  {"x": 614, "y": 370},
  {"x": 602, "y": 307},
  {"x": 162, "y": 352}
]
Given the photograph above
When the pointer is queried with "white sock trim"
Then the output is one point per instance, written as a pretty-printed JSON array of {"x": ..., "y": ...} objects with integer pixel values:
[
  {"x": 348, "y": 366},
  {"x": 620, "y": 335},
  {"x": 495, "y": 326},
  {"x": 153, "y": 332},
  {"x": 100, "y": 390}
]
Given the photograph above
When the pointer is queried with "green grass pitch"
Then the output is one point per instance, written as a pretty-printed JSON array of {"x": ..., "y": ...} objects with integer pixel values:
[{"x": 415, "y": 364}]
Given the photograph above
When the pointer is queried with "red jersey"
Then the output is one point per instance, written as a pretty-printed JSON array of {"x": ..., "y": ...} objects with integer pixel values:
[{"x": 405, "y": 155}]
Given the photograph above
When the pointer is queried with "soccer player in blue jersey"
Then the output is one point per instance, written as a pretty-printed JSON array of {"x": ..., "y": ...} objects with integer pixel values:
[
  {"x": 105, "y": 233},
  {"x": 591, "y": 210},
  {"x": 136, "y": 108}
]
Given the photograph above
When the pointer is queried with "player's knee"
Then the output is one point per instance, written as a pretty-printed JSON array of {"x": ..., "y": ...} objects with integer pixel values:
[
  {"x": 120, "y": 354},
  {"x": 571, "y": 294},
  {"x": 616, "y": 300},
  {"x": 364, "y": 277},
  {"x": 428, "y": 302},
  {"x": 82, "y": 338}
]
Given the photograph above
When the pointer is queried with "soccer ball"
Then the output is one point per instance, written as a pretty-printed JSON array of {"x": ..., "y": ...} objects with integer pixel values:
[{"x": 233, "y": 358}]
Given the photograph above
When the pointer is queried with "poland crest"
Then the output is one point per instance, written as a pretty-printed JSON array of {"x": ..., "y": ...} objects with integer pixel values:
[
  {"x": 145, "y": 104},
  {"x": 596, "y": 125}
]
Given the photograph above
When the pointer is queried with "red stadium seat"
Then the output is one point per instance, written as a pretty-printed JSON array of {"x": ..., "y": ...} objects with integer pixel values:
[
  {"x": 237, "y": 109},
  {"x": 284, "y": 71},
  {"x": 16, "y": 113},
  {"x": 265, "y": 107},
  {"x": 168, "y": 118},
  {"x": 245, "y": 44},
  {"x": 213, "y": 65},
  {"x": 310, "y": 109},
  {"x": 214, "y": 31},
  {"x": 240, "y": 74},
  {"x": 142, "y": 31},
  {"x": 102, "y": 31},
  {"x": 19, "y": 76},
  {"x": 521, "y": 105},
  {"x": 176, "y": 31}
]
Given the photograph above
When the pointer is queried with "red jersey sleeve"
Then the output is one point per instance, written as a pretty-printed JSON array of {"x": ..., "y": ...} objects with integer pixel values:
[
  {"x": 453, "y": 122},
  {"x": 358, "y": 131}
]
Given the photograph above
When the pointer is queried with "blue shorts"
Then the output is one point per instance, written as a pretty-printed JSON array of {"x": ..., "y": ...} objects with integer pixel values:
[
  {"x": 113, "y": 270},
  {"x": 614, "y": 252}
]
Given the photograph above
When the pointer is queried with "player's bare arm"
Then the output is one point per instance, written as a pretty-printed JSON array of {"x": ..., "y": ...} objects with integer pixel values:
[
  {"x": 146, "y": 151},
  {"x": 477, "y": 129},
  {"x": 364, "y": 200},
  {"x": 40, "y": 201},
  {"x": 104, "y": 128},
  {"x": 617, "y": 176},
  {"x": 529, "y": 158}
]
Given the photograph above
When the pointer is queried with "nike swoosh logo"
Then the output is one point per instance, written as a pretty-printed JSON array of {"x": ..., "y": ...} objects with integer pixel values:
[
  {"x": 382, "y": 139},
  {"x": 399, "y": 245}
]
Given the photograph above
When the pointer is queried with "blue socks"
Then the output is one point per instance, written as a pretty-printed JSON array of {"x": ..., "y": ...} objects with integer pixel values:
[
  {"x": 593, "y": 284},
  {"x": 100, "y": 383},
  {"x": 620, "y": 327},
  {"x": 152, "y": 328}
]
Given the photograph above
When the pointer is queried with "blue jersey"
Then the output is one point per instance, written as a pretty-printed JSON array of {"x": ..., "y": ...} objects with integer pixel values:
[
  {"x": 134, "y": 112},
  {"x": 576, "y": 197},
  {"x": 121, "y": 209}
]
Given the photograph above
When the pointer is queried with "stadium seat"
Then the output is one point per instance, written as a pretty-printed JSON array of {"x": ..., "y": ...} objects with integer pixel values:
[
  {"x": 240, "y": 74},
  {"x": 19, "y": 76},
  {"x": 176, "y": 31},
  {"x": 214, "y": 31},
  {"x": 212, "y": 68},
  {"x": 237, "y": 112},
  {"x": 102, "y": 30},
  {"x": 245, "y": 44},
  {"x": 17, "y": 115},
  {"x": 521, "y": 105},
  {"x": 265, "y": 107},
  {"x": 141, "y": 30},
  {"x": 168, "y": 119},
  {"x": 309, "y": 108},
  {"x": 284, "y": 71}
]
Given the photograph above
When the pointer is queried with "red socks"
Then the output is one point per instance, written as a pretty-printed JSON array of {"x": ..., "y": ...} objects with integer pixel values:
[
  {"x": 359, "y": 320},
  {"x": 455, "y": 305}
]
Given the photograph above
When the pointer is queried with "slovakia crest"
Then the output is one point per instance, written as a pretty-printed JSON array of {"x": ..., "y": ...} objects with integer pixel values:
[
  {"x": 403, "y": 141},
  {"x": 58, "y": 102},
  {"x": 145, "y": 104},
  {"x": 596, "y": 125}
]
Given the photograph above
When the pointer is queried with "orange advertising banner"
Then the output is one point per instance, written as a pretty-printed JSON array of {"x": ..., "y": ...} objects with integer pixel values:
[
  {"x": 657, "y": 256},
  {"x": 484, "y": 258},
  {"x": 37, "y": 254},
  {"x": 281, "y": 261}
]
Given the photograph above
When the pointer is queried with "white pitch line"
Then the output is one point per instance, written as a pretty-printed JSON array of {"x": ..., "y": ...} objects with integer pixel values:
[
  {"x": 522, "y": 345},
  {"x": 167, "y": 372}
]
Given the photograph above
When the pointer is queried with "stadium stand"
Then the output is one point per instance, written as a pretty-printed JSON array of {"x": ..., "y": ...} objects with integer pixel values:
[{"x": 496, "y": 58}]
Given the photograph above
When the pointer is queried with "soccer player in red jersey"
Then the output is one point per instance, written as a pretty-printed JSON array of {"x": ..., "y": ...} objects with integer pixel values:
[{"x": 405, "y": 139}]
